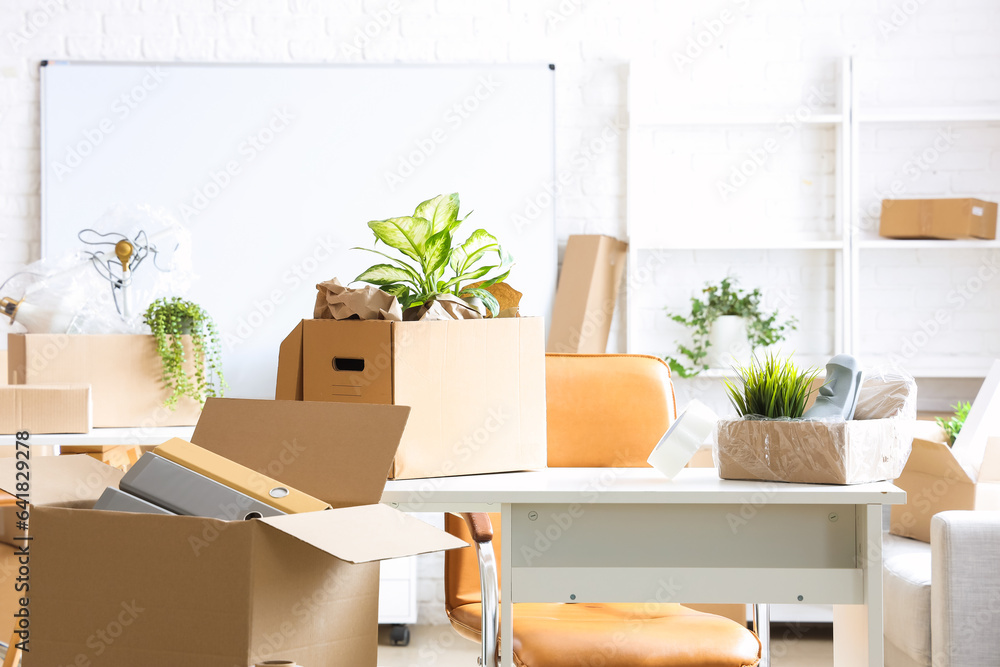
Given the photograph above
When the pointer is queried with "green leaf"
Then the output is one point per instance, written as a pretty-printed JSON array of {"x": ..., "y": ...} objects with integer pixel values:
[
  {"x": 488, "y": 299},
  {"x": 403, "y": 265},
  {"x": 407, "y": 235},
  {"x": 438, "y": 252},
  {"x": 442, "y": 212},
  {"x": 384, "y": 274},
  {"x": 467, "y": 254},
  {"x": 468, "y": 277}
]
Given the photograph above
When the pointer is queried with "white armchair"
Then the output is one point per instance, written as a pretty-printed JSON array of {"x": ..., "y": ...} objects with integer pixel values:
[{"x": 942, "y": 600}]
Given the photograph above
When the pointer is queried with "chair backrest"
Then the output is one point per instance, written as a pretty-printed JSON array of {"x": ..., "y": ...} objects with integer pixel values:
[{"x": 603, "y": 411}]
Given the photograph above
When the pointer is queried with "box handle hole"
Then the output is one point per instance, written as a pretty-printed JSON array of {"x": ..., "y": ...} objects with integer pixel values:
[{"x": 346, "y": 364}]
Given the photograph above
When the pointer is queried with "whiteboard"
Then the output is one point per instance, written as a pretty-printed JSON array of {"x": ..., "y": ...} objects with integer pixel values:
[{"x": 275, "y": 169}]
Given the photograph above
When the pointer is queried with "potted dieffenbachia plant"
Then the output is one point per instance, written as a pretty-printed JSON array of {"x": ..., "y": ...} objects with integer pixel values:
[{"x": 434, "y": 262}]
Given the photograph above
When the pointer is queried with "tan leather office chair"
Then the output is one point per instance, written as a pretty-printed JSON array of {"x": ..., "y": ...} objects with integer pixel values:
[{"x": 603, "y": 411}]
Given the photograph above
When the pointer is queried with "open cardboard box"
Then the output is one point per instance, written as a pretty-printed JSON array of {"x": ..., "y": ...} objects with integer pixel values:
[
  {"x": 476, "y": 387},
  {"x": 172, "y": 590},
  {"x": 965, "y": 476}
]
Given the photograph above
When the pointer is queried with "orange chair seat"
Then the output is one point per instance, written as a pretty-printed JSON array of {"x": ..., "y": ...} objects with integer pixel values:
[{"x": 619, "y": 635}]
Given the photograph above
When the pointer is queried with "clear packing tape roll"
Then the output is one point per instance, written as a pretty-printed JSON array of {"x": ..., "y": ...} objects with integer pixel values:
[
  {"x": 277, "y": 663},
  {"x": 871, "y": 447},
  {"x": 688, "y": 432}
]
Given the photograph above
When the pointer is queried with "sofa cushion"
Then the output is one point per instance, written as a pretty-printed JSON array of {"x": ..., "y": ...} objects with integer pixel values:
[{"x": 906, "y": 585}]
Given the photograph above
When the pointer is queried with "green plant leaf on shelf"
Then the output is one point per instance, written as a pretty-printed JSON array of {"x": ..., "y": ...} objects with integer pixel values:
[{"x": 718, "y": 300}]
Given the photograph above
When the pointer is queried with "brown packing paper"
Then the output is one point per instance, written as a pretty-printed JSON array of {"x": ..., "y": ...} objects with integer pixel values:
[
  {"x": 337, "y": 302},
  {"x": 443, "y": 307},
  {"x": 506, "y": 296}
]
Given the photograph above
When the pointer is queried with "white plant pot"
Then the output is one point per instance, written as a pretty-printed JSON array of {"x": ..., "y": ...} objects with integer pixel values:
[{"x": 728, "y": 342}]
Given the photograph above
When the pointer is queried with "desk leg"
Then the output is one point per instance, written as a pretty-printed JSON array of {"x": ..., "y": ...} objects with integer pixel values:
[
  {"x": 506, "y": 585},
  {"x": 857, "y": 629}
]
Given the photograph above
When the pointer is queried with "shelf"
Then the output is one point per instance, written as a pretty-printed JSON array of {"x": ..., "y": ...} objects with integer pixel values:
[
  {"x": 754, "y": 244},
  {"x": 716, "y": 119},
  {"x": 930, "y": 115},
  {"x": 939, "y": 367},
  {"x": 927, "y": 244}
]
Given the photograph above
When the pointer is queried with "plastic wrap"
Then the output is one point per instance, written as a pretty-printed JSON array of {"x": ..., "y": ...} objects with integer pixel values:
[
  {"x": 77, "y": 284},
  {"x": 872, "y": 447}
]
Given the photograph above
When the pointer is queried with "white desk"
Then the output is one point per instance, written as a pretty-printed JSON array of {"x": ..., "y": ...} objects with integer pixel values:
[{"x": 630, "y": 535}]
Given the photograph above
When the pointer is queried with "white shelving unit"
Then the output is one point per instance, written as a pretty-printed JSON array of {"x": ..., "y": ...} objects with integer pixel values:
[
  {"x": 641, "y": 118},
  {"x": 849, "y": 243},
  {"x": 922, "y": 366}
]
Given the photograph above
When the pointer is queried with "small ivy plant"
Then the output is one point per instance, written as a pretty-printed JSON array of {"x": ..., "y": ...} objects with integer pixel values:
[
  {"x": 170, "y": 320},
  {"x": 439, "y": 265},
  {"x": 718, "y": 300},
  {"x": 954, "y": 425}
]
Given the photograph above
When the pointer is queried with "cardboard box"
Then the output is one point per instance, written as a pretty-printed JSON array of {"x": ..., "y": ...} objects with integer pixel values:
[
  {"x": 476, "y": 387},
  {"x": 938, "y": 219},
  {"x": 857, "y": 451},
  {"x": 965, "y": 476},
  {"x": 210, "y": 593},
  {"x": 125, "y": 374},
  {"x": 591, "y": 274},
  {"x": 45, "y": 409},
  {"x": 116, "y": 456}
]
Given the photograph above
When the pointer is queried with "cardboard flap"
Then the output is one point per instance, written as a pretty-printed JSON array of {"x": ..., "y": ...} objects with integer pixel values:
[
  {"x": 990, "y": 470},
  {"x": 364, "y": 534},
  {"x": 289, "y": 382},
  {"x": 983, "y": 421},
  {"x": 337, "y": 452},
  {"x": 935, "y": 459},
  {"x": 67, "y": 481}
]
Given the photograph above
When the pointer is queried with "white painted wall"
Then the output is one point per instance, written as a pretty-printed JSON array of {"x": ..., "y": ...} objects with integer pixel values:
[{"x": 752, "y": 54}]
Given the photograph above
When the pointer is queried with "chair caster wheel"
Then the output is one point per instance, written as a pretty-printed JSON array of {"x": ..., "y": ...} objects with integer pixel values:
[{"x": 399, "y": 635}]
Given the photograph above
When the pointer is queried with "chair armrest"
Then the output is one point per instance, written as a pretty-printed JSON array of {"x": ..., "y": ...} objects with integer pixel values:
[
  {"x": 481, "y": 530},
  {"x": 965, "y": 588},
  {"x": 479, "y": 526}
]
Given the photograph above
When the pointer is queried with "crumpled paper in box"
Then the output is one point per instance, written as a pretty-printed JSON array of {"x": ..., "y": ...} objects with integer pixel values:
[{"x": 337, "y": 302}]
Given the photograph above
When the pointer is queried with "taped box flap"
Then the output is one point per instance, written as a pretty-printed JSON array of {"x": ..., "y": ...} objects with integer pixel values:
[
  {"x": 61, "y": 481},
  {"x": 337, "y": 452},
  {"x": 364, "y": 534}
]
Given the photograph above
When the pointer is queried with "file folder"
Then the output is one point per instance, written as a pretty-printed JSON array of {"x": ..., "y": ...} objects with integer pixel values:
[
  {"x": 116, "y": 500},
  {"x": 241, "y": 478},
  {"x": 184, "y": 491}
]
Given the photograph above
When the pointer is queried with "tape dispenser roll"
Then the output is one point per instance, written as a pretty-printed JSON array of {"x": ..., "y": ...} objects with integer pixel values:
[{"x": 683, "y": 439}]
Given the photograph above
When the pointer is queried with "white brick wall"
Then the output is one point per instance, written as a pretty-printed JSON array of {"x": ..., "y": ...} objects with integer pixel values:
[{"x": 766, "y": 54}]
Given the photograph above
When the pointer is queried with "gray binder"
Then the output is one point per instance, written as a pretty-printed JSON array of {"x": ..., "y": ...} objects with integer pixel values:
[
  {"x": 167, "y": 484},
  {"x": 114, "y": 500}
]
